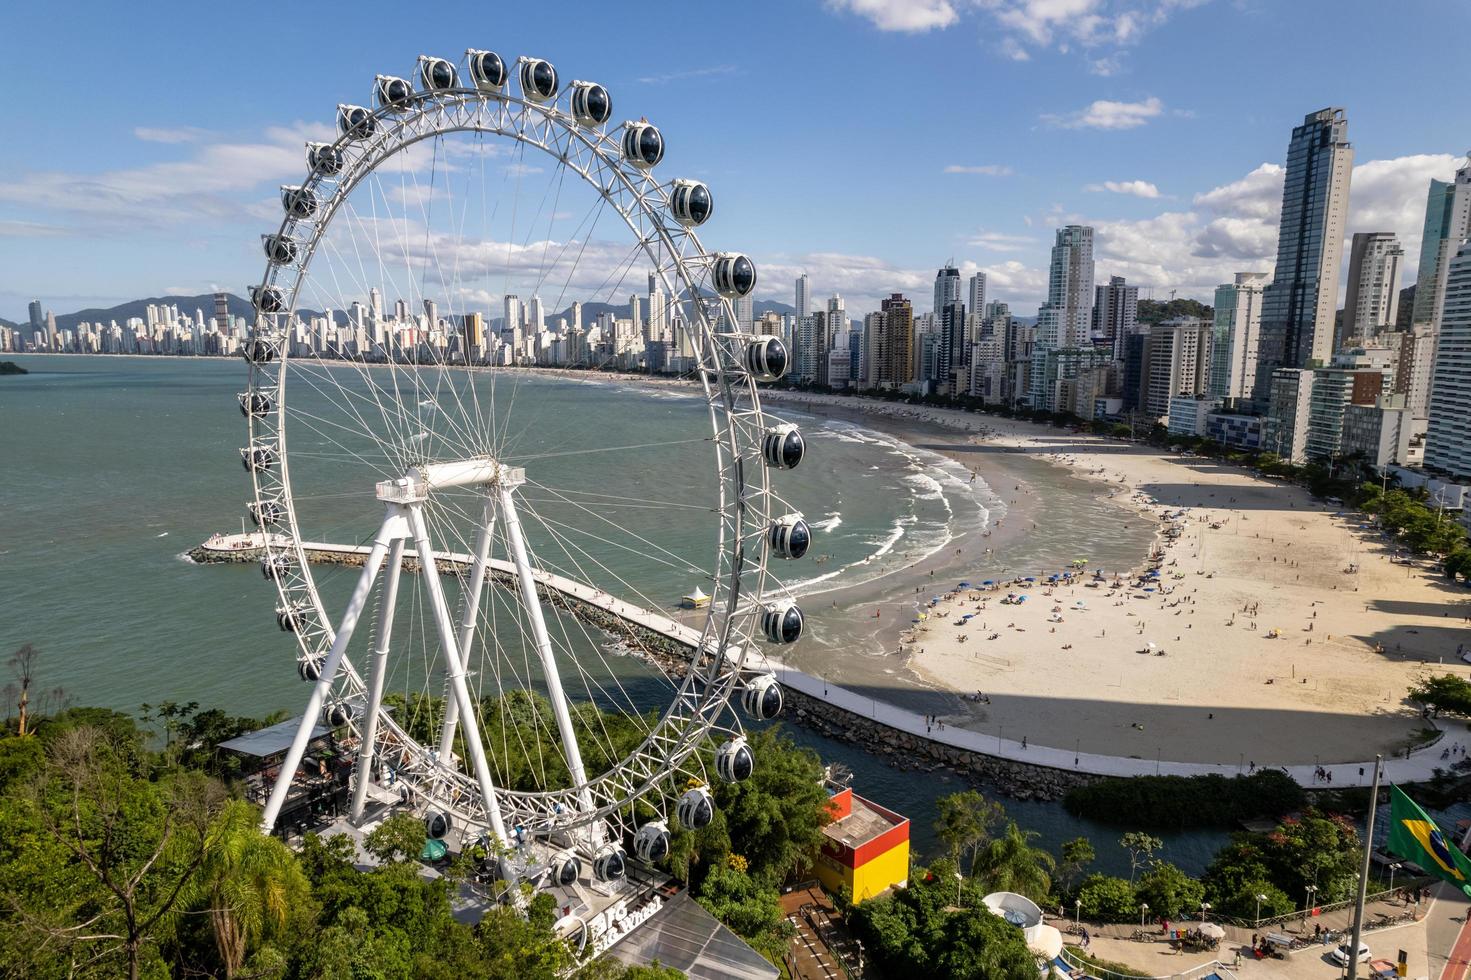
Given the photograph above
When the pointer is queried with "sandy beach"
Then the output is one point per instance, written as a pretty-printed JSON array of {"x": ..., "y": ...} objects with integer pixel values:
[{"x": 1279, "y": 630}]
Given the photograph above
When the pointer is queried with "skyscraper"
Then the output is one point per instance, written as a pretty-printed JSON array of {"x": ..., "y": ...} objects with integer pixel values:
[
  {"x": 1064, "y": 320},
  {"x": 38, "y": 320},
  {"x": 1448, "y": 439},
  {"x": 837, "y": 320},
  {"x": 1447, "y": 224},
  {"x": 1115, "y": 315},
  {"x": 804, "y": 298},
  {"x": 954, "y": 350},
  {"x": 976, "y": 298},
  {"x": 1298, "y": 307},
  {"x": 1235, "y": 336},
  {"x": 947, "y": 288},
  {"x": 896, "y": 342},
  {"x": 1371, "y": 304}
]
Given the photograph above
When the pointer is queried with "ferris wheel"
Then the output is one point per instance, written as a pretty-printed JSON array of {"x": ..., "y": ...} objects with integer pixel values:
[{"x": 462, "y": 571}]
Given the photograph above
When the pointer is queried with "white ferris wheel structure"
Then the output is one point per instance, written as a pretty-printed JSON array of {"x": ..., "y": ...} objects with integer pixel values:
[{"x": 446, "y": 649}]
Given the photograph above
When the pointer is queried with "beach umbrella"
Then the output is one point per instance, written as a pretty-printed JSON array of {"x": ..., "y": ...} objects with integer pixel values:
[
  {"x": 1029, "y": 578},
  {"x": 1212, "y": 930},
  {"x": 963, "y": 585},
  {"x": 989, "y": 581}
]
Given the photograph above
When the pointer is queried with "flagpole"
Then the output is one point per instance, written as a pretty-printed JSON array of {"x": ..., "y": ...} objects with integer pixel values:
[{"x": 1353, "y": 949}]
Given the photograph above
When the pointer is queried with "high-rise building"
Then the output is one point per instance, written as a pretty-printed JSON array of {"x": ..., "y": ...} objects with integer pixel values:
[
  {"x": 1066, "y": 317},
  {"x": 536, "y": 320},
  {"x": 38, "y": 319},
  {"x": 1448, "y": 438},
  {"x": 975, "y": 299},
  {"x": 511, "y": 313},
  {"x": 804, "y": 296},
  {"x": 1447, "y": 225},
  {"x": 222, "y": 313},
  {"x": 1235, "y": 334},
  {"x": 1371, "y": 305},
  {"x": 947, "y": 288},
  {"x": 1299, "y": 306},
  {"x": 1115, "y": 315},
  {"x": 897, "y": 342},
  {"x": 745, "y": 313},
  {"x": 1176, "y": 361},
  {"x": 953, "y": 352}
]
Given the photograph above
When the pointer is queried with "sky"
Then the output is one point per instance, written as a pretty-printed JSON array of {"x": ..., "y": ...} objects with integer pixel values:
[{"x": 864, "y": 142}]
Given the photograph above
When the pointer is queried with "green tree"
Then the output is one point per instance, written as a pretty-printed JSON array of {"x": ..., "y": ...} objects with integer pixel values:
[
  {"x": 114, "y": 854},
  {"x": 1103, "y": 898},
  {"x": 1444, "y": 692},
  {"x": 964, "y": 821},
  {"x": 399, "y": 838},
  {"x": 1077, "y": 854},
  {"x": 977, "y": 944},
  {"x": 249, "y": 884},
  {"x": 775, "y": 818},
  {"x": 1011, "y": 863},
  {"x": 1141, "y": 848},
  {"x": 751, "y": 909},
  {"x": 1168, "y": 891}
]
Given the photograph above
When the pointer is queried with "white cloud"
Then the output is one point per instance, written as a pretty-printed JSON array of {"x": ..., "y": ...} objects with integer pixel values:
[
  {"x": 181, "y": 134},
  {"x": 995, "y": 241},
  {"x": 907, "y": 16},
  {"x": 688, "y": 74},
  {"x": 205, "y": 184},
  {"x": 988, "y": 170},
  {"x": 522, "y": 169},
  {"x": 1233, "y": 228},
  {"x": 1090, "y": 25},
  {"x": 1136, "y": 188},
  {"x": 1106, "y": 114}
]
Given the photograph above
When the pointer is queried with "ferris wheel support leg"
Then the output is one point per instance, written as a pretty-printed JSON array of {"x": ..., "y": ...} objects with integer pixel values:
[
  {"x": 387, "y": 599},
  {"x": 393, "y": 527},
  {"x": 454, "y": 667},
  {"x": 475, "y": 586},
  {"x": 532, "y": 602}
]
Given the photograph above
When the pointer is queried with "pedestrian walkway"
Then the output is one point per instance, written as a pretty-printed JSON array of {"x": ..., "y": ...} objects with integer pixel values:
[{"x": 1418, "y": 767}]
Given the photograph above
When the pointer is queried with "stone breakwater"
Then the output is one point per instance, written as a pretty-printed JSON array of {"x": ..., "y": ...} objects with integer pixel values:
[{"x": 902, "y": 750}]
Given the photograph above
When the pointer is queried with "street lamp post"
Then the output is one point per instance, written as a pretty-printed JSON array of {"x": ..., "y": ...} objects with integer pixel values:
[
  {"x": 1259, "y": 900},
  {"x": 1078, "y": 914},
  {"x": 1205, "y": 907},
  {"x": 1392, "y": 869},
  {"x": 1311, "y": 889},
  {"x": 957, "y": 887},
  {"x": 1143, "y": 907}
]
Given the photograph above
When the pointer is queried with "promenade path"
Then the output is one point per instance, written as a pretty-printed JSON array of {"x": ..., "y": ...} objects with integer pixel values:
[{"x": 1418, "y": 766}]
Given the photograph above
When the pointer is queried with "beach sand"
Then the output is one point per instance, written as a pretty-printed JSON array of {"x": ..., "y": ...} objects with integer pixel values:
[{"x": 1216, "y": 686}]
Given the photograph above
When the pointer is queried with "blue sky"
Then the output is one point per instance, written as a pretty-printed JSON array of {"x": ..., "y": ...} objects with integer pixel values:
[{"x": 863, "y": 141}]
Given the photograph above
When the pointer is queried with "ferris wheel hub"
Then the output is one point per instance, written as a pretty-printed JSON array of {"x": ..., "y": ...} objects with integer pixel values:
[{"x": 478, "y": 471}]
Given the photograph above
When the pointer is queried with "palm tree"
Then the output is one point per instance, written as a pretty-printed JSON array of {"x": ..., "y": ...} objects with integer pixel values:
[
  {"x": 249, "y": 884},
  {"x": 1009, "y": 863}
]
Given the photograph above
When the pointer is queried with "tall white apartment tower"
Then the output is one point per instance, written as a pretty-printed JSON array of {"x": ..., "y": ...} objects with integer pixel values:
[
  {"x": 947, "y": 288},
  {"x": 658, "y": 321},
  {"x": 837, "y": 320},
  {"x": 1371, "y": 304},
  {"x": 1448, "y": 439},
  {"x": 804, "y": 296},
  {"x": 1065, "y": 319},
  {"x": 1447, "y": 225},
  {"x": 745, "y": 313},
  {"x": 976, "y": 294},
  {"x": 536, "y": 320},
  {"x": 1234, "y": 335},
  {"x": 512, "y": 313}
]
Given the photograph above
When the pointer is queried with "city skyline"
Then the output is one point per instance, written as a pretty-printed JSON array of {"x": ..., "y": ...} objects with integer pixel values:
[{"x": 1106, "y": 130}]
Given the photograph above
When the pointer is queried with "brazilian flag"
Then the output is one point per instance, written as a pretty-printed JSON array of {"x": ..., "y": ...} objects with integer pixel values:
[{"x": 1415, "y": 837}]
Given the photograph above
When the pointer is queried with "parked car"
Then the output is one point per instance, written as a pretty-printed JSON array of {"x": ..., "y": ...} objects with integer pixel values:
[{"x": 1340, "y": 954}]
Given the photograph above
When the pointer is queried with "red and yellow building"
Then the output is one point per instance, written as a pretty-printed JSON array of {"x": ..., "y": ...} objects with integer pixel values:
[{"x": 867, "y": 846}]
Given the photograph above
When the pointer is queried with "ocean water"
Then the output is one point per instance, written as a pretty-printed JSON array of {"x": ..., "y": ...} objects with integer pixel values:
[{"x": 111, "y": 468}]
